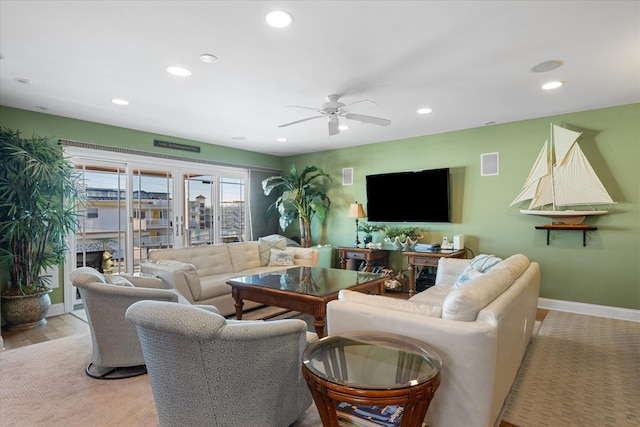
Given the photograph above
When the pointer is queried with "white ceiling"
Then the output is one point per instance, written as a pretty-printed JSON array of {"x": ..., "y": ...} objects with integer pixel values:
[{"x": 470, "y": 61}]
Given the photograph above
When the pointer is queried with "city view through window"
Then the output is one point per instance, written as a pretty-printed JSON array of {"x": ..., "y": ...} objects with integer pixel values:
[{"x": 213, "y": 211}]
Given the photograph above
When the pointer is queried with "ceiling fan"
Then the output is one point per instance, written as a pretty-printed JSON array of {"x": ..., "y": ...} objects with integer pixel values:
[{"x": 334, "y": 109}]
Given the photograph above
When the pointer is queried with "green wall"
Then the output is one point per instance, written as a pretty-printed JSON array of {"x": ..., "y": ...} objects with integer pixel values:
[
  {"x": 605, "y": 272},
  {"x": 78, "y": 130},
  {"x": 57, "y": 127}
]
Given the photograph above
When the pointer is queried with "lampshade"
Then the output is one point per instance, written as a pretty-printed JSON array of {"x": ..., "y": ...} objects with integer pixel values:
[{"x": 356, "y": 211}]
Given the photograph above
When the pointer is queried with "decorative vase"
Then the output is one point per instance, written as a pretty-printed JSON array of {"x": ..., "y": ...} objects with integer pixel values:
[
  {"x": 368, "y": 239},
  {"x": 25, "y": 311},
  {"x": 395, "y": 242},
  {"x": 409, "y": 242}
]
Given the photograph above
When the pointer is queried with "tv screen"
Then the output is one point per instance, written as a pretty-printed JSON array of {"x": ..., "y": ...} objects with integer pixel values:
[{"x": 420, "y": 196}]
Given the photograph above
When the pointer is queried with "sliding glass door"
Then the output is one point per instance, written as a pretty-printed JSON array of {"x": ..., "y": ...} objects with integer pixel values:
[
  {"x": 215, "y": 209},
  {"x": 153, "y": 213},
  {"x": 135, "y": 206}
]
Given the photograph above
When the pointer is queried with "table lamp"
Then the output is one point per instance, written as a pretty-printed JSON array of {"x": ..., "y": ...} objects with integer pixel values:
[{"x": 356, "y": 211}]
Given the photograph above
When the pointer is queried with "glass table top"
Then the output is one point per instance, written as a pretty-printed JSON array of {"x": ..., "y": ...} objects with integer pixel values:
[
  {"x": 315, "y": 281},
  {"x": 369, "y": 360}
]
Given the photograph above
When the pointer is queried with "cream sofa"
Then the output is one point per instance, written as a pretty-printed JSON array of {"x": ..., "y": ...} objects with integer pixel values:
[
  {"x": 480, "y": 329},
  {"x": 201, "y": 273}
]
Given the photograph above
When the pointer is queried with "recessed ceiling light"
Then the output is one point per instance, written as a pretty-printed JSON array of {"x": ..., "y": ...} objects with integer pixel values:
[
  {"x": 41, "y": 107},
  {"x": 552, "y": 85},
  {"x": 547, "y": 66},
  {"x": 22, "y": 80},
  {"x": 208, "y": 58},
  {"x": 279, "y": 18},
  {"x": 238, "y": 138},
  {"x": 343, "y": 127},
  {"x": 281, "y": 139},
  {"x": 425, "y": 111},
  {"x": 179, "y": 71},
  {"x": 119, "y": 101}
]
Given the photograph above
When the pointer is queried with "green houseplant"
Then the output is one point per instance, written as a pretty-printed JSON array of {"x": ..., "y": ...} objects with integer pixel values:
[
  {"x": 38, "y": 196},
  {"x": 368, "y": 230},
  {"x": 302, "y": 197},
  {"x": 402, "y": 236}
]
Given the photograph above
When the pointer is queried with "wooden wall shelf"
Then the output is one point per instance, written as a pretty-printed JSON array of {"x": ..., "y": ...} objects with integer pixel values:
[{"x": 578, "y": 227}]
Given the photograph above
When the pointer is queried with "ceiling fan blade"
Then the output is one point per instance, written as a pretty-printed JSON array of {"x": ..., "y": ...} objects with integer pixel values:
[
  {"x": 299, "y": 121},
  {"x": 362, "y": 100},
  {"x": 307, "y": 108},
  {"x": 368, "y": 119},
  {"x": 333, "y": 125}
]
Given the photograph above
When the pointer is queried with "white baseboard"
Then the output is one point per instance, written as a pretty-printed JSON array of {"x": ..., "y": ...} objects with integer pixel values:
[
  {"x": 590, "y": 309},
  {"x": 56, "y": 310}
]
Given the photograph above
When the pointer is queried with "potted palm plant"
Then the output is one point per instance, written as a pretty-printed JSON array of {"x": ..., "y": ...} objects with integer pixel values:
[
  {"x": 38, "y": 196},
  {"x": 303, "y": 196}
]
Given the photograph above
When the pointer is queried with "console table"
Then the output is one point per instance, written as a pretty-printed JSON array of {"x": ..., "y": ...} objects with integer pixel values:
[
  {"x": 366, "y": 255},
  {"x": 426, "y": 259}
]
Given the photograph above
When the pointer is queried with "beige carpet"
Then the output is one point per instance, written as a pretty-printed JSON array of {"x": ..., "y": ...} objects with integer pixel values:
[
  {"x": 51, "y": 374},
  {"x": 579, "y": 371},
  {"x": 44, "y": 384}
]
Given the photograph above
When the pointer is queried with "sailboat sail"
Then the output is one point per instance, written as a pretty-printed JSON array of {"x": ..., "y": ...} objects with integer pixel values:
[{"x": 562, "y": 176}]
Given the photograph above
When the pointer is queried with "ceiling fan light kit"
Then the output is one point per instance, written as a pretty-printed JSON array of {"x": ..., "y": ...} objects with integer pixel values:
[{"x": 333, "y": 109}]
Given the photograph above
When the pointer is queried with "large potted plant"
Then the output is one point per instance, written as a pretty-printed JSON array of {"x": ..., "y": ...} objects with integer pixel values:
[
  {"x": 38, "y": 196},
  {"x": 303, "y": 196}
]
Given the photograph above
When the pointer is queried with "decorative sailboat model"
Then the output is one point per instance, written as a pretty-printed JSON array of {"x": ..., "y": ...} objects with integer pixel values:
[{"x": 562, "y": 177}]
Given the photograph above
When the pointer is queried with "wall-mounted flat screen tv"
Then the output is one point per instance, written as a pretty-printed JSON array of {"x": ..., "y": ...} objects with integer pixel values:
[{"x": 416, "y": 196}]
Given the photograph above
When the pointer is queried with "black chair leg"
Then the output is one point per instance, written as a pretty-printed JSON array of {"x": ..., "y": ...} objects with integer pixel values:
[{"x": 107, "y": 373}]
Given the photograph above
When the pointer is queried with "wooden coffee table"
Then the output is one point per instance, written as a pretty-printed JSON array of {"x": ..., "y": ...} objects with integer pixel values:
[{"x": 303, "y": 289}]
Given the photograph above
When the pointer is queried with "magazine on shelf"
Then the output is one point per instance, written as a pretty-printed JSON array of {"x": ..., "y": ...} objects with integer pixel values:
[{"x": 356, "y": 415}]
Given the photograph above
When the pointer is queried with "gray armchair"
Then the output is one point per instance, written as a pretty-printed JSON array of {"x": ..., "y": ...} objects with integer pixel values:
[
  {"x": 207, "y": 370},
  {"x": 116, "y": 348}
]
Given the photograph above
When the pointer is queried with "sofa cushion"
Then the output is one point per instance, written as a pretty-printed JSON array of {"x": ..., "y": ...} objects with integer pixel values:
[
  {"x": 435, "y": 295},
  {"x": 244, "y": 255},
  {"x": 478, "y": 265},
  {"x": 302, "y": 256},
  {"x": 216, "y": 261},
  {"x": 390, "y": 303},
  {"x": 266, "y": 243},
  {"x": 280, "y": 258},
  {"x": 464, "y": 303}
]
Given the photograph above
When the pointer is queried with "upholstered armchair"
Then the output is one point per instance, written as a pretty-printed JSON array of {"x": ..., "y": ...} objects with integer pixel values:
[
  {"x": 207, "y": 370},
  {"x": 116, "y": 348}
]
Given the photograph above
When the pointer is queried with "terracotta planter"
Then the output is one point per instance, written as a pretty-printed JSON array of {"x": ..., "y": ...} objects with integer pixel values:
[{"x": 25, "y": 311}]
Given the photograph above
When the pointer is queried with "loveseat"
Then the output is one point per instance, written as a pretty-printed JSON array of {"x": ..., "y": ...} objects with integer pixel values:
[
  {"x": 201, "y": 273},
  {"x": 478, "y": 317}
]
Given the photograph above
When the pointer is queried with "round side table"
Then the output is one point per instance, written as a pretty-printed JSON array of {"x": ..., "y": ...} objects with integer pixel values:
[{"x": 362, "y": 370}]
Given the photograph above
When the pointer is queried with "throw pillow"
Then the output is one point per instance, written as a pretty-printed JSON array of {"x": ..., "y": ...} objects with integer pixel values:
[
  {"x": 279, "y": 258},
  {"x": 478, "y": 266},
  {"x": 265, "y": 244},
  {"x": 484, "y": 263}
]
